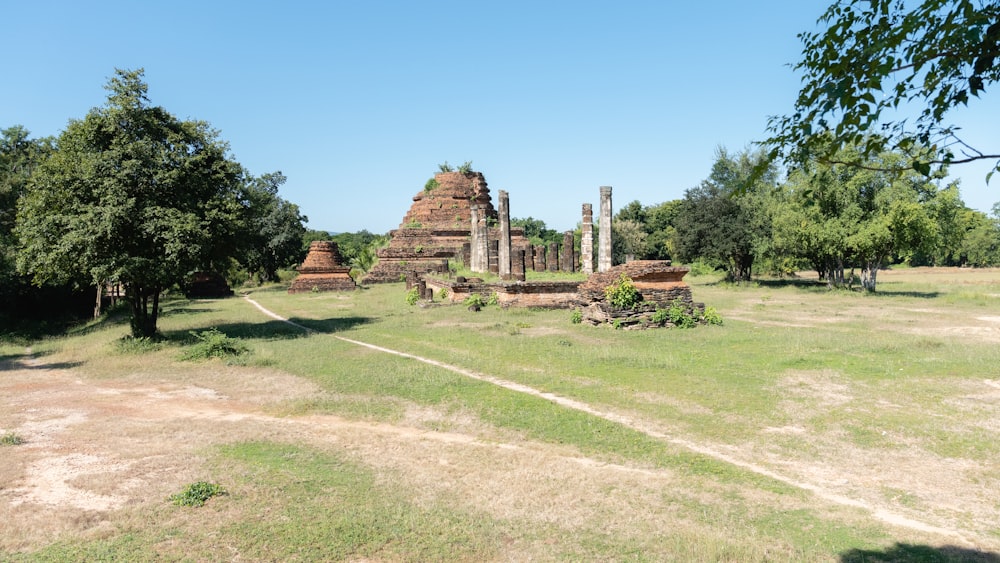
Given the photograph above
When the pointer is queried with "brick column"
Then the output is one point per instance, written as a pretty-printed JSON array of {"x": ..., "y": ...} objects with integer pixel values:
[
  {"x": 553, "y": 257},
  {"x": 503, "y": 251},
  {"x": 587, "y": 240},
  {"x": 604, "y": 234},
  {"x": 568, "y": 263}
]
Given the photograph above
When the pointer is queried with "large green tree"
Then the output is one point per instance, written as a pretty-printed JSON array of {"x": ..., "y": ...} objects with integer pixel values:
[
  {"x": 726, "y": 220},
  {"x": 274, "y": 229},
  {"x": 132, "y": 195},
  {"x": 883, "y": 75}
]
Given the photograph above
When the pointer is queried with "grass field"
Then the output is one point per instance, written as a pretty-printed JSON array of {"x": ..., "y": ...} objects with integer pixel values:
[{"x": 813, "y": 425}]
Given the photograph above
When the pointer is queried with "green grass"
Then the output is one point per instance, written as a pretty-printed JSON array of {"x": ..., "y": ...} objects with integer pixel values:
[{"x": 857, "y": 375}]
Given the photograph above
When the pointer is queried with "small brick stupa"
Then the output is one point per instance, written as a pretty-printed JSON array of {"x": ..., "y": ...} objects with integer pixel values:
[
  {"x": 437, "y": 227},
  {"x": 321, "y": 270}
]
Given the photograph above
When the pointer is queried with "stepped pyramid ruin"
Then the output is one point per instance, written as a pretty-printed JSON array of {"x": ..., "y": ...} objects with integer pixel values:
[
  {"x": 321, "y": 270},
  {"x": 438, "y": 228}
]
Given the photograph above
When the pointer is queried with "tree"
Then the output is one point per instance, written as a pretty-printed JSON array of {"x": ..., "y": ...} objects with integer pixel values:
[
  {"x": 876, "y": 59},
  {"x": 660, "y": 221},
  {"x": 535, "y": 230},
  {"x": 274, "y": 229},
  {"x": 132, "y": 195},
  {"x": 725, "y": 220},
  {"x": 838, "y": 215},
  {"x": 628, "y": 240}
]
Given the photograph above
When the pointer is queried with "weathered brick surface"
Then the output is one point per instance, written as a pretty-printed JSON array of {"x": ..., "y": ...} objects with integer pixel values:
[
  {"x": 437, "y": 228},
  {"x": 321, "y": 270}
]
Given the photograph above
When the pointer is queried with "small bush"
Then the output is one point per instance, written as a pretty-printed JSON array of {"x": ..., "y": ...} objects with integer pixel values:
[
  {"x": 196, "y": 494},
  {"x": 493, "y": 299},
  {"x": 431, "y": 185},
  {"x": 412, "y": 296},
  {"x": 133, "y": 345},
  {"x": 444, "y": 293},
  {"x": 623, "y": 294},
  {"x": 712, "y": 316},
  {"x": 466, "y": 167},
  {"x": 445, "y": 167},
  {"x": 214, "y": 344},
  {"x": 11, "y": 439},
  {"x": 679, "y": 316},
  {"x": 660, "y": 316},
  {"x": 474, "y": 300},
  {"x": 576, "y": 317}
]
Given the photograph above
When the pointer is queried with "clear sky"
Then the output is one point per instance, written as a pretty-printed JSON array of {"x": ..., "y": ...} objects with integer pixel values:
[{"x": 357, "y": 102}]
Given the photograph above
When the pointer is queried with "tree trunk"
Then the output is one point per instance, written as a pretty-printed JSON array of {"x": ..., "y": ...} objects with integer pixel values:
[
  {"x": 143, "y": 320},
  {"x": 868, "y": 274},
  {"x": 97, "y": 304}
]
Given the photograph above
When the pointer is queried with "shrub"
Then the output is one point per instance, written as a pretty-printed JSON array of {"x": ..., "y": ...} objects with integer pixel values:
[
  {"x": 475, "y": 300},
  {"x": 493, "y": 299},
  {"x": 576, "y": 317},
  {"x": 660, "y": 316},
  {"x": 622, "y": 293},
  {"x": 214, "y": 344},
  {"x": 712, "y": 316},
  {"x": 196, "y": 494},
  {"x": 679, "y": 316},
  {"x": 431, "y": 185},
  {"x": 444, "y": 293},
  {"x": 466, "y": 167},
  {"x": 136, "y": 345},
  {"x": 412, "y": 296},
  {"x": 445, "y": 167},
  {"x": 11, "y": 439}
]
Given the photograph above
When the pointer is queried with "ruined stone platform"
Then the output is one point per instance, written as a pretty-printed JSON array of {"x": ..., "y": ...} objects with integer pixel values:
[{"x": 321, "y": 270}]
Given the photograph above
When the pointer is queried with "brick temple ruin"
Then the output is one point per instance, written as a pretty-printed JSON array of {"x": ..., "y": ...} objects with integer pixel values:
[
  {"x": 322, "y": 270},
  {"x": 452, "y": 218}
]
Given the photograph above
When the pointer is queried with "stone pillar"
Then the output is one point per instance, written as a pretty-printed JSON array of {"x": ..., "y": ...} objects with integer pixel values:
[
  {"x": 538, "y": 262},
  {"x": 503, "y": 252},
  {"x": 553, "y": 257},
  {"x": 517, "y": 265},
  {"x": 587, "y": 240},
  {"x": 494, "y": 262},
  {"x": 604, "y": 234},
  {"x": 476, "y": 259},
  {"x": 568, "y": 263}
]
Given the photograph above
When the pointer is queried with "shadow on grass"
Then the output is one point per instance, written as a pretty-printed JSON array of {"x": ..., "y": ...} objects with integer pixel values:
[
  {"x": 908, "y": 553},
  {"x": 270, "y": 330},
  {"x": 31, "y": 361}
]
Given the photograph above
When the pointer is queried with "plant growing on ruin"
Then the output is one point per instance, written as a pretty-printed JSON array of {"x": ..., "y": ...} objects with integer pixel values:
[
  {"x": 466, "y": 167},
  {"x": 660, "y": 316},
  {"x": 493, "y": 299},
  {"x": 431, "y": 185},
  {"x": 475, "y": 301},
  {"x": 622, "y": 293},
  {"x": 412, "y": 296},
  {"x": 445, "y": 167},
  {"x": 678, "y": 315}
]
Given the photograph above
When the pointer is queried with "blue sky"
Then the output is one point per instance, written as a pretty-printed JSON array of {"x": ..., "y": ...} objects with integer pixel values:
[{"x": 358, "y": 102}]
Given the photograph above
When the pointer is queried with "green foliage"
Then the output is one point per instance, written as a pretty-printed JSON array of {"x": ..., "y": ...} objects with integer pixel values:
[
  {"x": 412, "y": 296},
  {"x": 11, "y": 439},
  {"x": 466, "y": 167},
  {"x": 475, "y": 301},
  {"x": 725, "y": 221},
  {"x": 414, "y": 225},
  {"x": 445, "y": 167},
  {"x": 493, "y": 299},
  {"x": 576, "y": 317},
  {"x": 712, "y": 316},
  {"x": 134, "y": 195},
  {"x": 213, "y": 343},
  {"x": 659, "y": 316},
  {"x": 130, "y": 345},
  {"x": 535, "y": 231},
  {"x": 197, "y": 494},
  {"x": 273, "y": 229},
  {"x": 431, "y": 185},
  {"x": 622, "y": 293},
  {"x": 444, "y": 293},
  {"x": 876, "y": 57},
  {"x": 678, "y": 315}
]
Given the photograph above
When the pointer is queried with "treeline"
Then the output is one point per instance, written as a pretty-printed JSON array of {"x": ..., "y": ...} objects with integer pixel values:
[
  {"x": 845, "y": 222},
  {"x": 834, "y": 219}
]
